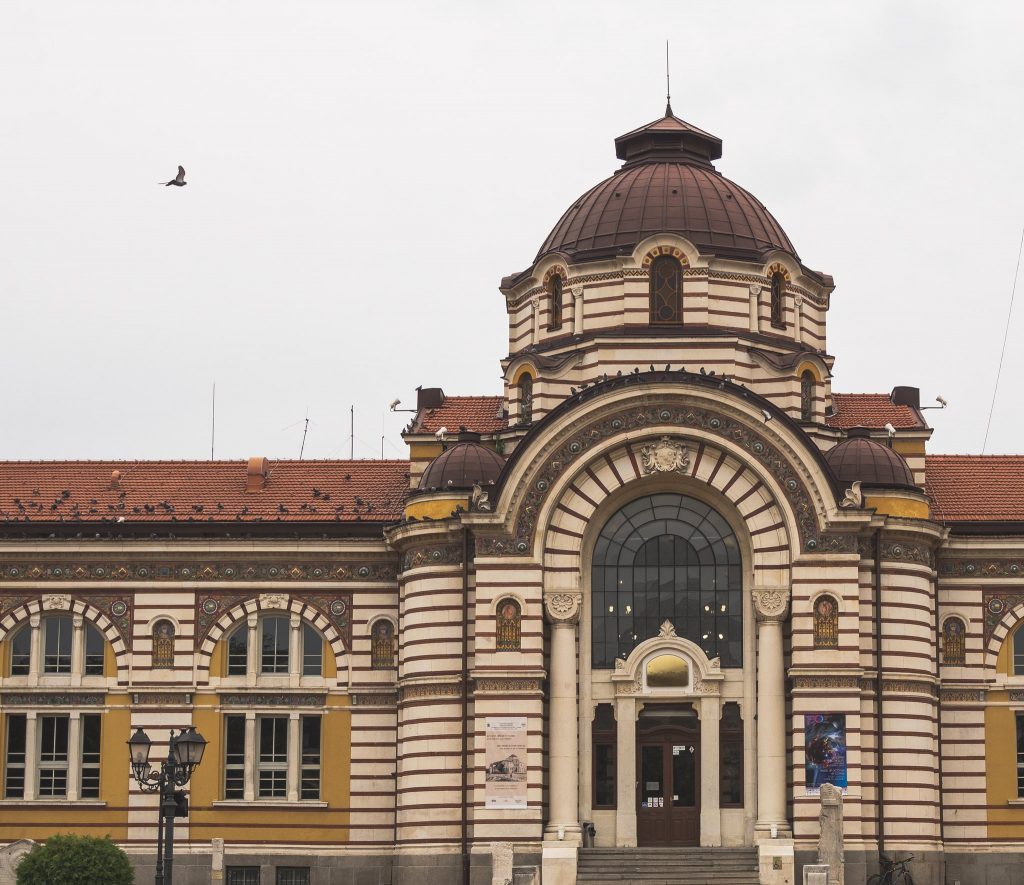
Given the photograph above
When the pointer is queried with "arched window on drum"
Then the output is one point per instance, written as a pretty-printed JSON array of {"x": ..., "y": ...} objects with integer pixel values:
[
  {"x": 666, "y": 290},
  {"x": 807, "y": 396},
  {"x": 667, "y": 557}
]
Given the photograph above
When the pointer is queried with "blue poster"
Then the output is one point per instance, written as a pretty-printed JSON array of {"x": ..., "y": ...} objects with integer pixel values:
[{"x": 824, "y": 750}]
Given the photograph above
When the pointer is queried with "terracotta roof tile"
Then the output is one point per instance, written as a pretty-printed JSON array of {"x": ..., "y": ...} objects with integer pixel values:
[
  {"x": 478, "y": 414},
  {"x": 202, "y": 491},
  {"x": 873, "y": 410},
  {"x": 976, "y": 488}
]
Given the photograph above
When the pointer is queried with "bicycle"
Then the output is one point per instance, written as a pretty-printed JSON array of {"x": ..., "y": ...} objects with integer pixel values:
[{"x": 894, "y": 872}]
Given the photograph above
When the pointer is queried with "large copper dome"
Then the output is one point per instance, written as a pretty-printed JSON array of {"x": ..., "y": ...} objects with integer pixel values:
[{"x": 668, "y": 183}]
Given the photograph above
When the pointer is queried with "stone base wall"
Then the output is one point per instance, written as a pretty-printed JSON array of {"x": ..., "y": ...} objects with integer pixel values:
[{"x": 934, "y": 867}]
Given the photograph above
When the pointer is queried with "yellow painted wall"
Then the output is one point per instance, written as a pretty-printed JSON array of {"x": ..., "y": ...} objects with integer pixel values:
[
  {"x": 897, "y": 506},
  {"x": 436, "y": 508},
  {"x": 908, "y": 446},
  {"x": 272, "y": 824},
  {"x": 37, "y": 821},
  {"x": 218, "y": 659},
  {"x": 1005, "y": 821}
]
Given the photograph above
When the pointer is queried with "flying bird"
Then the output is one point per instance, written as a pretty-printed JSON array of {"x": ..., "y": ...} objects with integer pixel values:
[{"x": 178, "y": 180}]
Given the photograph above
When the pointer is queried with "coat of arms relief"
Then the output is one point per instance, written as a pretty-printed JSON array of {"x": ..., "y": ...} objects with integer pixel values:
[{"x": 665, "y": 456}]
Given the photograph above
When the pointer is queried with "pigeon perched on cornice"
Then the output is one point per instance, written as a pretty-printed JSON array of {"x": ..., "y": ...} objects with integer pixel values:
[{"x": 178, "y": 180}]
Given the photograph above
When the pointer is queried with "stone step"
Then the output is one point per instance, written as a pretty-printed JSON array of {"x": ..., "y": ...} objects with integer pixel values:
[{"x": 667, "y": 866}]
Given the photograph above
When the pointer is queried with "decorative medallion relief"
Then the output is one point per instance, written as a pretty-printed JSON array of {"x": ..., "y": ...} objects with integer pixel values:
[
  {"x": 898, "y": 550},
  {"x": 665, "y": 456},
  {"x": 432, "y": 554},
  {"x": 771, "y": 605},
  {"x": 997, "y": 603},
  {"x": 563, "y": 608}
]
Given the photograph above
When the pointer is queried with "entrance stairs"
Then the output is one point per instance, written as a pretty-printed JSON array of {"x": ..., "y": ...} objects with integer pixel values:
[{"x": 667, "y": 866}]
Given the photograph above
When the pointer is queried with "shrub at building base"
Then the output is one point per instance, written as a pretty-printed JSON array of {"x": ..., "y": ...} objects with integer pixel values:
[{"x": 75, "y": 860}]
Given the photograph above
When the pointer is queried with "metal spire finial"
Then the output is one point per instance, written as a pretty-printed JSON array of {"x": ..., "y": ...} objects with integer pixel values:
[{"x": 668, "y": 85}]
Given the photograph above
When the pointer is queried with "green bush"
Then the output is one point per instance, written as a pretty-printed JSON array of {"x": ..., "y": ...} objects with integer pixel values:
[{"x": 75, "y": 860}]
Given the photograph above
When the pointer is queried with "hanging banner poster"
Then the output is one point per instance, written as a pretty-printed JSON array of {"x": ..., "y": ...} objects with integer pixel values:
[
  {"x": 824, "y": 751},
  {"x": 505, "y": 760}
]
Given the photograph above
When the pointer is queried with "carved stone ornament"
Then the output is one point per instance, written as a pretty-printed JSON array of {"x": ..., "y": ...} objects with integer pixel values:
[
  {"x": 755, "y": 288},
  {"x": 274, "y": 600},
  {"x": 56, "y": 602},
  {"x": 665, "y": 456},
  {"x": 563, "y": 607},
  {"x": 480, "y": 502},
  {"x": 853, "y": 497},
  {"x": 771, "y": 605},
  {"x": 667, "y": 629}
]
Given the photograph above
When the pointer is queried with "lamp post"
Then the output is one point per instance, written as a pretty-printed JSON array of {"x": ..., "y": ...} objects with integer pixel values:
[{"x": 184, "y": 753}]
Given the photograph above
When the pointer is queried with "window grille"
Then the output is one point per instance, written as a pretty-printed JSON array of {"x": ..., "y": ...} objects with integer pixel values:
[
  {"x": 89, "y": 787},
  {"x": 293, "y": 876},
  {"x": 382, "y": 645},
  {"x": 243, "y": 876},
  {"x": 14, "y": 768},
  {"x": 508, "y": 626},
  {"x": 666, "y": 277},
  {"x": 163, "y": 645},
  {"x": 273, "y": 757},
  {"x": 274, "y": 658},
  {"x": 826, "y": 622},
  {"x": 954, "y": 635}
]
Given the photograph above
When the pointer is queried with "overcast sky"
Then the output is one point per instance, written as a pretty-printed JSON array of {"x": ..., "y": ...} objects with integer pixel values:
[{"x": 362, "y": 175}]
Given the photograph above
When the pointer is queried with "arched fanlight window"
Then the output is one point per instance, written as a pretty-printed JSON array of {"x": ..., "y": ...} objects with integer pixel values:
[
  {"x": 667, "y": 557},
  {"x": 807, "y": 396},
  {"x": 163, "y": 645},
  {"x": 666, "y": 290},
  {"x": 382, "y": 645},
  {"x": 954, "y": 635},
  {"x": 526, "y": 399},
  {"x": 778, "y": 287},
  {"x": 556, "y": 302},
  {"x": 508, "y": 626},
  {"x": 826, "y": 622}
]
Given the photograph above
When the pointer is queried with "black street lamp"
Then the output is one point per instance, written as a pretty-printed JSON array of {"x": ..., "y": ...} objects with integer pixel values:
[{"x": 184, "y": 753}]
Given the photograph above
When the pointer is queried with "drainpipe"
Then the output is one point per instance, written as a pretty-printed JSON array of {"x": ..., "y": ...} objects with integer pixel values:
[
  {"x": 879, "y": 776},
  {"x": 465, "y": 705}
]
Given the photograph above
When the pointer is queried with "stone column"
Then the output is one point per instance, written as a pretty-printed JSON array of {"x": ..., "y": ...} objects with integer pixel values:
[
  {"x": 31, "y": 755},
  {"x": 625, "y": 772},
  {"x": 35, "y": 651},
  {"x": 770, "y": 607},
  {"x": 710, "y": 813},
  {"x": 534, "y": 321},
  {"x": 755, "y": 306},
  {"x": 74, "y": 755},
  {"x": 798, "y": 310},
  {"x": 294, "y": 752},
  {"x": 252, "y": 651},
  {"x": 250, "y": 790},
  {"x": 294, "y": 651},
  {"x": 77, "y": 649},
  {"x": 577, "y": 310},
  {"x": 562, "y": 834}
]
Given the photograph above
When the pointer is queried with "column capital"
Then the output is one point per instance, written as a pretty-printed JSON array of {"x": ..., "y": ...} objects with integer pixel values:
[
  {"x": 771, "y": 604},
  {"x": 563, "y": 607}
]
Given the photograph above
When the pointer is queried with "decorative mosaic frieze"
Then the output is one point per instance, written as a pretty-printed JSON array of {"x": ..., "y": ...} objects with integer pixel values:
[
  {"x": 161, "y": 698},
  {"x": 635, "y": 419},
  {"x": 374, "y": 699},
  {"x": 281, "y": 699},
  {"x": 52, "y": 699},
  {"x": 430, "y": 690},
  {"x": 432, "y": 554},
  {"x": 826, "y": 682},
  {"x": 962, "y": 695},
  {"x": 898, "y": 550},
  {"x": 192, "y": 571},
  {"x": 908, "y": 686},
  {"x": 508, "y": 685},
  {"x": 998, "y": 602},
  {"x": 981, "y": 568}
]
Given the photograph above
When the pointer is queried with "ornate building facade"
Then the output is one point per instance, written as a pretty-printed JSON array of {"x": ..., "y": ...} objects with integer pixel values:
[{"x": 656, "y": 594}]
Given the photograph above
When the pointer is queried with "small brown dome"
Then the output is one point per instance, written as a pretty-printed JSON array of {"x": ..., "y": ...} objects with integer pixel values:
[
  {"x": 668, "y": 183},
  {"x": 462, "y": 465},
  {"x": 860, "y": 459}
]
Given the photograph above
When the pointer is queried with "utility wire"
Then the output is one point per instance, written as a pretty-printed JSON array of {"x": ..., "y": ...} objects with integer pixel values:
[{"x": 1002, "y": 353}]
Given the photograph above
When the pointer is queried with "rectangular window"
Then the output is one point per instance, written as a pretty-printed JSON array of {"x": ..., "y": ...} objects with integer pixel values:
[
  {"x": 238, "y": 652},
  {"x": 90, "y": 779},
  {"x": 14, "y": 767},
  {"x": 234, "y": 757},
  {"x": 312, "y": 652},
  {"x": 93, "y": 652},
  {"x": 243, "y": 876},
  {"x": 57, "y": 643},
  {"x": 293, "y": 876},
  {"x": 309, "y": 787},
  {"x": 1020, "y": 755},
  {"x": 273, "y": 757},
  {"x": 53, "y": 757},
  {"x": 730, "y": 758},
  {"x": 605, "y": 750},
  {"x": 21, "y": 652},
  {"x": 274, "y": 657}
]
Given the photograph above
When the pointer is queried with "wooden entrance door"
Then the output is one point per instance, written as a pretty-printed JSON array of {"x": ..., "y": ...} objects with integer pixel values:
[{"x": 668, "y": 787}]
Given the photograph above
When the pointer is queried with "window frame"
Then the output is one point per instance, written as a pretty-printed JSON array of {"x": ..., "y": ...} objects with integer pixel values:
[
  {"x": 277, "y": 653},
  {"x": 556, "y": 292},
  {"x": 64, "y": 664},
  {"x": 75, "y": 665},
  {"x": 731, "y": 735},
  {"x": 294, "y": 773},
  {"x": 244, "y": 642},
  {"x": 604, "y": 735}
]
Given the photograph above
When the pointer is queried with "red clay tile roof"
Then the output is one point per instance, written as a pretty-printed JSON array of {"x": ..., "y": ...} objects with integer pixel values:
[
  {"x": 202, "y": 491},
  {"x": 976, "y": 488},
  {"x": 478, "y": 414},
  {"x": 873, "y": 410}
]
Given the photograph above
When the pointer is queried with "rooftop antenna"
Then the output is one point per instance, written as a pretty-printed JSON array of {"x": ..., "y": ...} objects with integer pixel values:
[
  {"x": 668, "y": 85},
  {"x": 352, "y": 433},
  {"x": 1002, "y": 353},
  {"x": 213, "y": 418},
  {"x": 305, "y": 430}
]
